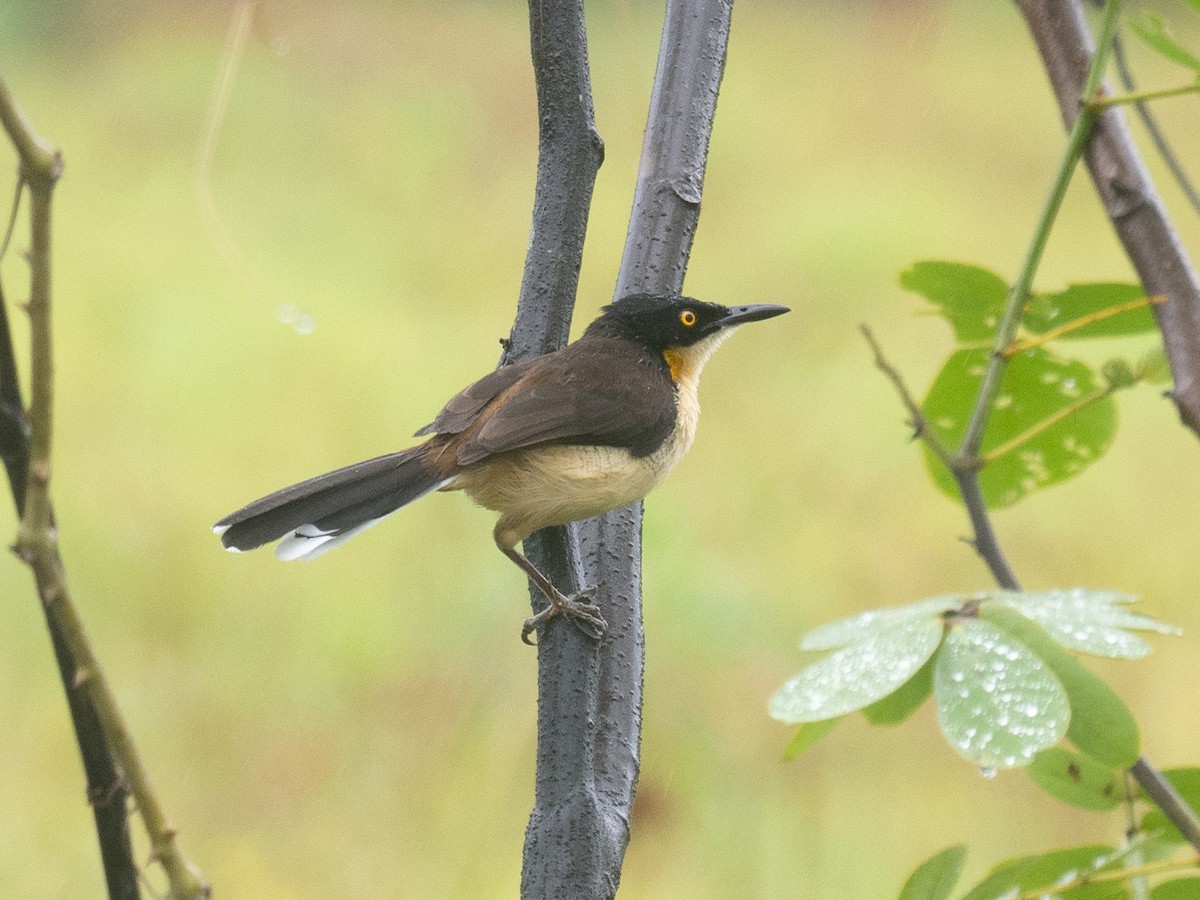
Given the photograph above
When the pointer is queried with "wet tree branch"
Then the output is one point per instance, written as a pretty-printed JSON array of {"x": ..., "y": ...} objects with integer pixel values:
[{"x": 589, "y": 694}]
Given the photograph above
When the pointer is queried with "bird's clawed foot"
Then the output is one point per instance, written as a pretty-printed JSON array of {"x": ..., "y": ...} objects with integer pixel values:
[{"x": 585, "y": 616}]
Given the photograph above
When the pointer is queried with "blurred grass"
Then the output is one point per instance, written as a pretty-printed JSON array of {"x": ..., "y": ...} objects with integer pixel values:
[{"x": 364, "y": 726}]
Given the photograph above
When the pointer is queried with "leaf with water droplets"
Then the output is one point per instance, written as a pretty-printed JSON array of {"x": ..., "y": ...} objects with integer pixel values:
[
  {"x": 902, "y": 703},
  {"x": 1093, "y": 621},
  {"x": 875, "y": 621},
  {"x": 997, "y": 703},
  {"x": 1101, "y": 724},
  {"x": 859, "y": 673},
  {"x": 1050, "y": 421}
]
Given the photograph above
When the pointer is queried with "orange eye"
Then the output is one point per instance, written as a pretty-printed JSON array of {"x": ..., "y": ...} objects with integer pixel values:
[{"x": 688, "y": 318}]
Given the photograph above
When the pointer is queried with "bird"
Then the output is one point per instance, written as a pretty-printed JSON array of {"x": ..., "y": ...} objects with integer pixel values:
[{"x": 573, "y": 433}]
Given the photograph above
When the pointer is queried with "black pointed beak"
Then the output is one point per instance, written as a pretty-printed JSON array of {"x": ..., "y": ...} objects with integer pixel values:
[{"x": 739, "y": 315}]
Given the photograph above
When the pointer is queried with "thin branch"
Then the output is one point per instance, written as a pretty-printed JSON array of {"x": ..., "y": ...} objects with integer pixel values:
[
  {"x": 984, "y": 541},
  {"x": 106, "y": 791},
  {"x": 964, "y": 471},
  {"x": 1168, "y": 799},
  {"x": 12, "y": 215},
  {"x": 1128, "y": 194},
  {"x": 1019, "y": 295},
  {"x": 1174, "y": 166},
  {"x": 36, "y": 543},
  {"x": 1139, "y": 97},
  {"x": 916, "y": 416}
]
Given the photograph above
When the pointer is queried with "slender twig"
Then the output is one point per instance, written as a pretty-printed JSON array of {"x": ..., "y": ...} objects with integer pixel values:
[
  {"x": 106, "y": 790},
  {"x": 1123, "y": 184},
  {"x": 916, "y": 416},
  {"x": 1168, "y": 799},
  {"x": 966, "y": 462},
  {"x": 984, "y": 541},
  {"x": 1099, "y": 103},
  {"x": 37, "y": 543},
  {"x": 38, "y": 156},
  {"x": 12, "y": 215},
  {"x": 1019, "y": 294},
  {"x": 1174, "y": 166},
  {"x": 964, "y": 472}
]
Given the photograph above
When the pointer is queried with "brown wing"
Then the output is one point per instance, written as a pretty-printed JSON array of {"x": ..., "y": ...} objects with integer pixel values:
[
  {"x": 457, "y": 415},
  {"x": 593, "y": 392}
]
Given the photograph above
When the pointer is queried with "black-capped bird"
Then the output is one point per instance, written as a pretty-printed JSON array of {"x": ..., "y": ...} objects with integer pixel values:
[{"x": 568, "y": 435}]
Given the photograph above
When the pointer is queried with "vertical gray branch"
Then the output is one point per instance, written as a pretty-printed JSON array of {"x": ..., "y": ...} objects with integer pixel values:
[
  {"x": 589, "y": 695},
  {"x": 569, "y": 851},
  {"x": 1128, "y": 194},
  {"x": 666, "y": 203},
  {"x": 666, "y": 210}
]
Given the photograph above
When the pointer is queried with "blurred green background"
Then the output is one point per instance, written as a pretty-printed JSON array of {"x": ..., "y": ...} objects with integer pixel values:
[{"x": 363, "y": 726}]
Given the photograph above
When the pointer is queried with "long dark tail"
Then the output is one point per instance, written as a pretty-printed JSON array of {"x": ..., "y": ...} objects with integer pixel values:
[{"x": 319, "y": 514}]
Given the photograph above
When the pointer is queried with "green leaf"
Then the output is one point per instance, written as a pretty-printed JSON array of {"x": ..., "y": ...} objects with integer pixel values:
[
  {"x": 1101, "y": 724},
  {"x": 1080, "y": 302},
  {"x": 807, "y": 735},
  {"x": 899, "y": 705},
  {"x": 1177, "y": 889},
  {"x": 1186, "y": 780},
  {"x": 876, "y": 621},
  {"x": 1037, "y": 391},
  {"x": 1089, "y": 620},
  {"x": 1043, "y": 870},
  {"x": 1150, "y": 28},
  {"x": 859, "y": 673},
  {"x": 970, "y": 298},
  {"x": 935, "y": 878},
  {"x": 1076, "y": 779},
  {"x": 997, "y": 703}
]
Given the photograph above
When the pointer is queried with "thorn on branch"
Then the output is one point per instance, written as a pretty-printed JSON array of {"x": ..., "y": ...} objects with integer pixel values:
[
  {"x": 98, "y": 796},
  {"x": 916, "y": 418}
]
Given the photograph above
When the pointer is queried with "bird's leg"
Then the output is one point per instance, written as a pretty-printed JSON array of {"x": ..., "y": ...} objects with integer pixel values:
[{"x": 586, "y": 616}]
